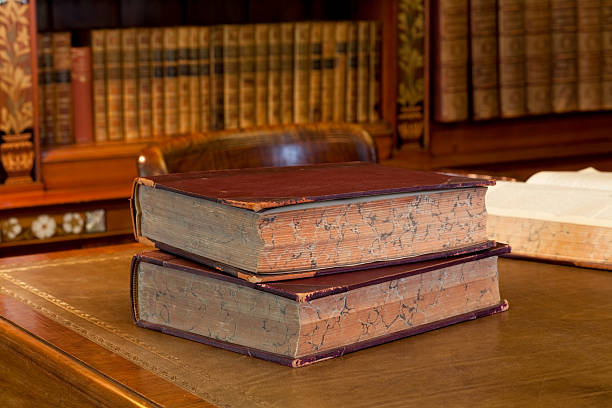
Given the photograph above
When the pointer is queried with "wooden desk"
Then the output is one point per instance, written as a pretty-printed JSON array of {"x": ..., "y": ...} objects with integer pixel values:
[{"x": 552, "y": 348}]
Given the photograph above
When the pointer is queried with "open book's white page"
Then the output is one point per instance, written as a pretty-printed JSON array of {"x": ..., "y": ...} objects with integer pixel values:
[
  {"x": 585, "y": 178},
  {"x": 550, "y": 203}
]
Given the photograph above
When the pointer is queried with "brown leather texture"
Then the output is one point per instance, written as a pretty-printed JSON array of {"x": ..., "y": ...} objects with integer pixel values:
[
  {"x": 264, "y": 188},
  {"x": 270, "y": 146}
]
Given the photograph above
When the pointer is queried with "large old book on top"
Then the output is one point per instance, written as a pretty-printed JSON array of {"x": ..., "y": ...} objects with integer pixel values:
[
  {"x": 303, "y": 321},
  {"x": 556, "y": 216},
  {"x": 282, "y": 223}
]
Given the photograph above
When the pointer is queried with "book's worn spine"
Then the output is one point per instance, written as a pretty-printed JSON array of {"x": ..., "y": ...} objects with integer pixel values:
[
  {"x": 246, "y": 75},
  {"x": 450, "y": 49},
  {"x": 194, "y": 80},
  {"x": 261, "y": 74},
  {"x": 483, "y": 37},
  {"x": 98, "y": 74},
  {"x": 63, "y": 88},
  {"x": 606, "y": 45},
  {"x": 157, "y": 82},
  {"x": 231, "y": 77},
  {"x": 114, "y": 104},
  {"x": 204, "y": 61},
  {"x": 301, "y": 72},
  {"x": 537, "y": 56},
  {"x": 274, "y": 74},
  {"x": 287, "y": 62},
  {"x": 350, "y": 110},
  {"x": 511, "y": 58},
  {"x": 171, "y": 91},
  {"x": 129, "y": 84},
  {"x": 82, "y": 95},
  {"x": 363, "y": 42},
  {"x": 145, "y": 76},
  {"x": 217, "y": 118},
  {"x": 314, "y": 75},
  {"x": 328, "y": 44},
  {"x": 48, "y": 95},
  {"x": 183, "y": 80},
  {"x": 564, "y": 53},
  {"x": 340, "y": 68},
  {"x": 589, "y": 55},
  {"x": 374, "y": 72}
]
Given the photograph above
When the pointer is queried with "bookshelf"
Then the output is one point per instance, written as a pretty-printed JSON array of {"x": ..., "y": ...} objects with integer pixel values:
[{"x": 407, "y": 135}]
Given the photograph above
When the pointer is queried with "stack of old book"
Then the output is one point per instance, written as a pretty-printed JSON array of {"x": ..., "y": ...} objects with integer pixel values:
[{"x": 301, "y": 264}]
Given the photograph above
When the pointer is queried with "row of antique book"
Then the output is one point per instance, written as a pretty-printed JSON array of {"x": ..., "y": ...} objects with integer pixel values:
[
  {"x": 137, "y": 83},
  {"x": 512, "y": 58},
  {"x": 282, "y": 264}
]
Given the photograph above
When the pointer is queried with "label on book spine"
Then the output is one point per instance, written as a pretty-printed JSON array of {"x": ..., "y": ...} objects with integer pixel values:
[
  {"x": 328, "y": 62},
  {"x": 287, "y": 70},
  {"x": 246, "y": 75},
  {"x": 63, "y": 88},
  {"x": 129, "y": 84},
  {"x": 231, "y": 81},
  {"x": 261, "y": 74},
  {"x": 144, "y": 67},
  {"x": 589, "y": 55},
  {"x": 511, "y": 58},
  {"x": 538, "y": 56},
  {"x": 483, "y": 37},
  {"x": 564, "y": 52},
  {"x": 183, "y": 80},
  {"x": 274, "y": 74},
  {"x": 157, "y": 82}
]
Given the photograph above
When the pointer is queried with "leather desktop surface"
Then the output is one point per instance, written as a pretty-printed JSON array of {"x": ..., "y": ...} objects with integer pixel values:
[{"x": 552, "y": 348}]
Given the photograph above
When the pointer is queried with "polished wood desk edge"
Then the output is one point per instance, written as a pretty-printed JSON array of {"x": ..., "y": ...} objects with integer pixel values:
[{"x": 61, "y": 352}]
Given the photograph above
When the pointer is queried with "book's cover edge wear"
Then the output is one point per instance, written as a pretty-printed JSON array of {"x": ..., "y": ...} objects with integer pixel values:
[
  {"x": 327, "y": 354},
  {"x": 267, "y": 284}
]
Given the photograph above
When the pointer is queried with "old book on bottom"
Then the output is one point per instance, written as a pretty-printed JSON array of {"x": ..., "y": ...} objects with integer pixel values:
[
  {"x": 303, "y": 321},
  {"x": 294, "y": 221},
  {"x": 555, "y": 216}
]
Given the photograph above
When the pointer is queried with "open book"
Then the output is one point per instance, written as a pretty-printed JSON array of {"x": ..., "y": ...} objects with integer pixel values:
[{"x": 558, "y": 216}]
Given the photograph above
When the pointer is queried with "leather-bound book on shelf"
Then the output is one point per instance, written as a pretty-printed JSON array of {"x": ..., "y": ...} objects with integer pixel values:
[
  {"x": 183, "y": 80},
  {"x": 246, "y": 75},
  {"x": 589, "y": 54},
  {"x": 283, "y": 223},
  {"x": 511, "y": 58},
  {"x": 144, "y": 83},
  {"x": 129, "y": 83},
  {"x": 302, "y": 321},
  {"x": 483, "y": 59},
  {"x": 538, "y": 57},
  {"x": 231, "y": 77},
  {"x": 350, "y": 110},
  {"x": 98, "y": 85},
  {"x": 287, "y": 33},
  {"x": 274, "y": 101},
  {"x": 194, "y": 80},
  {"x": 114, "y": 103},
  {"x": 340, "y": 70},
  {"x": 205, "y": 69},
  {"x": 606, "y": 45},
  {"x": 374, "y": 72},
  {"x": 363, "y": 47},
  {"x": 315, "y": 68},
  {"x": 328, "y": 59},
  {"x": 564, "y": 53},
  {"x": 47, "y": 94},
  {"x": 261, "y": 74},
  {"x": 62, "y": 62},
  {"x": 82, "y": 98},
  {"x": 450, "y": 57},
  {"x": 217, "y": 111},
  {"x": 157, "y": 82},
  {"x": 170, "y": 80},
  {"x": 301, "y": 72}
]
